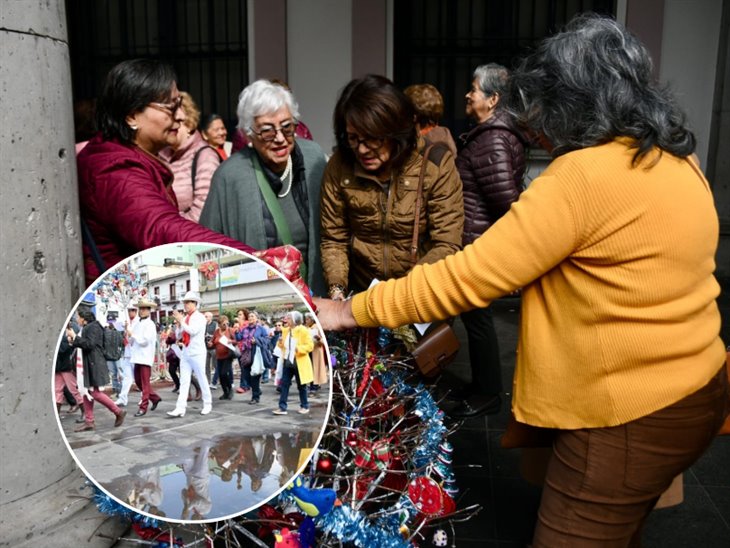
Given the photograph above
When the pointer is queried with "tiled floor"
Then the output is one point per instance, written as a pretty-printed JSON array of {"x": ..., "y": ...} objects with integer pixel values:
[{"x": 490, "y": 476}]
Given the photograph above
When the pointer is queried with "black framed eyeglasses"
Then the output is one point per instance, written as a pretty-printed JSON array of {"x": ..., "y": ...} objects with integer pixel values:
[
  {"x": 268, "y": 132},
  {"x": 171, "y": 107},
  {"x": 372, "y": 143}
]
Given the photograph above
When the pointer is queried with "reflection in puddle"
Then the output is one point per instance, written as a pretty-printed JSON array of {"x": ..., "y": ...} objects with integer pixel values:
[{"x": 215, "y": 478}]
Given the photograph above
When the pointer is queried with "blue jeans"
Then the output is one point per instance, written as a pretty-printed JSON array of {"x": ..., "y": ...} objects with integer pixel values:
[
  {"x": 114, "y": 371},
  {"x": 286, "y": 377}
]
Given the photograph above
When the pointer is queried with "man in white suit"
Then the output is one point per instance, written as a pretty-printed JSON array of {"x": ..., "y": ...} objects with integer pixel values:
[{"x": 192, "y": 332}]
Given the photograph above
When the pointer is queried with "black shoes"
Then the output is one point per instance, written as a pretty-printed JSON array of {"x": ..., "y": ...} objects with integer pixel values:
[
  {"x": 476, "y": 405},
  {"x": 154, "y": 404},
  {"x": 140, "y": 413}
]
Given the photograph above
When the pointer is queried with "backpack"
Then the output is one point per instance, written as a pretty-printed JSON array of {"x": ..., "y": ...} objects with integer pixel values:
[{"x": 113, "y": 345}]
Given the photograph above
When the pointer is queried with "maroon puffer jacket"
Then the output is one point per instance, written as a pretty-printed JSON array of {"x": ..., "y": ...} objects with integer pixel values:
[
  {"x": 491, "y": 163},
  {"x": 128, "y": 204}
]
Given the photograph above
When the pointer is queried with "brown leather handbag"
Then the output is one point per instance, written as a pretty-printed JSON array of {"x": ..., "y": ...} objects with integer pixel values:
[
  {"x": 436, "y": 350},
  {"x": 439, "y": 346}
]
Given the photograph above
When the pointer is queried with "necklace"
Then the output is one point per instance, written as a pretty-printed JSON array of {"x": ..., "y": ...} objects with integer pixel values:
[{"x": 286, "y": 175}]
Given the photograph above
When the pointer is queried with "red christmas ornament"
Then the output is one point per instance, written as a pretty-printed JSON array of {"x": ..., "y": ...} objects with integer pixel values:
[
  {"x": 324, "y": 466},
  {"x": 351, "y": 439},
  {"x": 427, "y": 496}
]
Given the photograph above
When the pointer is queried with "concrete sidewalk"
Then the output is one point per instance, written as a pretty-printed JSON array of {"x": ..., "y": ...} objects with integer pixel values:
[{"x": 198, "y": 467}]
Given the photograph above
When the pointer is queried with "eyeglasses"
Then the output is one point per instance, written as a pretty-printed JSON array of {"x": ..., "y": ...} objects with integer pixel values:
[
  {"x": 171, "y": 107},
  {"x": 268, "y": 133},
  {"x": 371, "y": 143}
]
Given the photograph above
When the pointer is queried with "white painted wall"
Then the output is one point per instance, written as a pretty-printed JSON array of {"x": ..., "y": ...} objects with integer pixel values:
[
  {"x": 689, "y": 60},
  {"x": 319, "y": 51}
]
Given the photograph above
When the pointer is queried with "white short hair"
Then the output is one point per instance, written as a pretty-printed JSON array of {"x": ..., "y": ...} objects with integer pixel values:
[
  {"x": 296, "y": 317},
  {"x": 261, "y": 98}
]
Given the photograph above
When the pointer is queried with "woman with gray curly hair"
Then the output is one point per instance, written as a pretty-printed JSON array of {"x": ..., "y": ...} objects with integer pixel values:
[
  {"x": 268, "y": 193},
  {"x": 619, "y": 351}
]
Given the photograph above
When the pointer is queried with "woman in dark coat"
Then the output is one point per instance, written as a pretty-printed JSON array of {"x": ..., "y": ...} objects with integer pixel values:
[
  {"x": 491, "y": 163},
  {"x": 96, "y": 373}
]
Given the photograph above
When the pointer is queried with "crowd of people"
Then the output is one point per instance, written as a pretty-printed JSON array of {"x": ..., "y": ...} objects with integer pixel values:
[
  {"x": 199, "y": 352},
  {"x": 620, "y": 330}
]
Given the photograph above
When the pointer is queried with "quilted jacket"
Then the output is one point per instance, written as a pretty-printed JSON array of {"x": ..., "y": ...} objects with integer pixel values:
[
  {"x": 367, "y": 225},
  {"x": 128, "y": 204},
  {"x": 491, "y": 163}
]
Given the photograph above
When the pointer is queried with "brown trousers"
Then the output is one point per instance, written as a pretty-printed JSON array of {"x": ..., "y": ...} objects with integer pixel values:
[{"x": 602, "y": 483}]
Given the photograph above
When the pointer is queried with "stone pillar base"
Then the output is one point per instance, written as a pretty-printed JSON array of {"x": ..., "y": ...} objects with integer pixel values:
[{"x": 61, "y": 514}]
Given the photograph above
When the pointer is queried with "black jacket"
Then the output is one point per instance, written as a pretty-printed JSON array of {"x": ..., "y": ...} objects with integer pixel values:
[
  {"x": 91, "y": 343},
  {"x": 491, "y": 163}
]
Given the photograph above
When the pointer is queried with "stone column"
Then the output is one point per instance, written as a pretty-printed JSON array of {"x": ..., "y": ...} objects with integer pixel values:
[{"x": 42, "y": 499}]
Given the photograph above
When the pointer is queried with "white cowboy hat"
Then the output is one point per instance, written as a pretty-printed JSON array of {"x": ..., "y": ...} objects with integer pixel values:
[
  {"x": 132, "y": 306},
  {"x": 143, "y": 303},
  {"x": 192, "y": 296}
]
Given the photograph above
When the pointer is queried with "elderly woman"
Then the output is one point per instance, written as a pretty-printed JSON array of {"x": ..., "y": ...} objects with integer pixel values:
[
  {"x": 268, "y": 194},
  {"x": 491, "y": 163},
  {"x": 295, "y": 345},
  {"x": 619, "y": 347},
  {"x": 371, "y": 195},
  {"x": 192, "y": 161},
  {"x": 214, "y": 133},
  {"x": 96, "y": 374},
  {"x": 127, "y": 201},
  {"x": 429, "y": 106}
]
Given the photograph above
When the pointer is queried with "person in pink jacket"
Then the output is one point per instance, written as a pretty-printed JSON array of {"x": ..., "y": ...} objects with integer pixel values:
[
  {"x": 193, "y": 162},
  {"x": 125, "y": 190}
]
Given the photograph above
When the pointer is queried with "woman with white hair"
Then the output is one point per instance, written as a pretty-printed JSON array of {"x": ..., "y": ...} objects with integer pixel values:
[
  {"x": 268, "y": 193},
  {"x": 295, "y": 345}
]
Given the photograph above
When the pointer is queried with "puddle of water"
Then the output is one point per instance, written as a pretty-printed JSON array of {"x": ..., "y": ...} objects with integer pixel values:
[{"x": 215, "y": 478}]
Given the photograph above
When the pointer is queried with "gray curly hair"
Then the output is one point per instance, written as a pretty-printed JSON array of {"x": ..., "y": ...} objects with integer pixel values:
[{"x": 592, "y": 83}]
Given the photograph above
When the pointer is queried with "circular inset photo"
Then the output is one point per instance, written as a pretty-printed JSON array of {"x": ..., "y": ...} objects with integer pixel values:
[{"x": 192, "y": 382}]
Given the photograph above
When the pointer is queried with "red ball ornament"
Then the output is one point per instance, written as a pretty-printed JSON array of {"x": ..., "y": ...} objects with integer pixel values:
[
  {"x": 427, "y": 496},
  {"x": 352, "y": 439},
  {"x": 324, "y": 465}
]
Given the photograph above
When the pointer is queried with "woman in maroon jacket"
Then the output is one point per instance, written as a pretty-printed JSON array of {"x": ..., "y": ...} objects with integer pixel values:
[
  {"x": 127, "y": 202},
  {"x": 491, "y": 163}
]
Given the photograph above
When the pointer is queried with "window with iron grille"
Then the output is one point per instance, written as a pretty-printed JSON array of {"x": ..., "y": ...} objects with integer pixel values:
[
  {"x": 441, "y": 42},
  {"x": 204, "y": 40}
]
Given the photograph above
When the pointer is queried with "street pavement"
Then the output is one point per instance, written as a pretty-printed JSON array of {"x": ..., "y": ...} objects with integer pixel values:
[{"x": 198, "y": 467}]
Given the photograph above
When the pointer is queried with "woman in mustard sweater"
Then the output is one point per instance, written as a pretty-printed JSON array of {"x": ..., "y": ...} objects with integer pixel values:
[{"x": 614, "y": 247}]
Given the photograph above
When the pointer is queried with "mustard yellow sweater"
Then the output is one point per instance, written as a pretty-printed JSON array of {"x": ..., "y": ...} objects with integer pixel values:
[{"x": 616, "y": 263}]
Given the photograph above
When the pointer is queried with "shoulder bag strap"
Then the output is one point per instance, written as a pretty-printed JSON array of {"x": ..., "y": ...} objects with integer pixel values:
[
  {"x": 282, "y": 228},
  {"x": 89, "y": 241},
  {"x": 195, "y": 163},
  {"x": 419, "y": 199}
]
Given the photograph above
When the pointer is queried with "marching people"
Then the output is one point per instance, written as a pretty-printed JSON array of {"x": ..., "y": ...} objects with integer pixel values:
[
  {"x": 65, "y": 374},
  {"x": 210, "y": 361},
  {"x": 173, "y": 361},
  {"x": 260, "y": 355},
  {"x": 244, "y": 340},
  {"x": 619, "y": 348},
  {"x": 192, "y": 332},
  {"x": 143, "y": 338},
  {"x": 295, "y": 345},
  {"x": 96, "y": 374},
  {"x": 113, "y": 352},
  {"x": 224, "y": 356},
  {"x": 318, "y": 355},
  {"x": 127, "y": 364}
]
